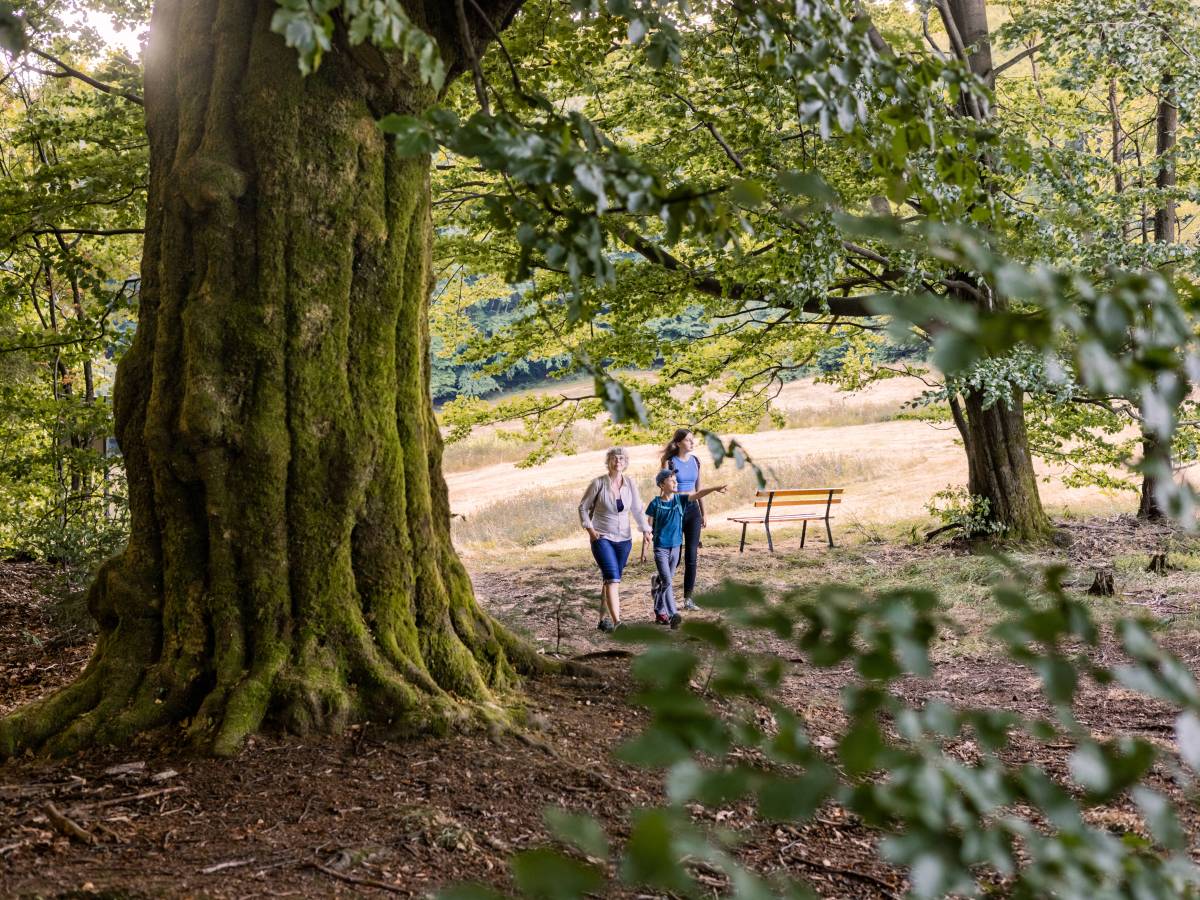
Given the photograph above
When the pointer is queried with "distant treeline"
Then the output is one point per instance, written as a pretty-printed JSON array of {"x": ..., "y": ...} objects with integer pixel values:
[{"x": 461, "y": 374}]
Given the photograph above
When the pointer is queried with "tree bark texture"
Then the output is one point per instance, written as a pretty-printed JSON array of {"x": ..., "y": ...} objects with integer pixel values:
[
  {"x": 1000, "y": 467},
  {"x": 999, "y": 464},
  {"x": 290, "y": 554},
  {"x": 1166, "y": 128}
]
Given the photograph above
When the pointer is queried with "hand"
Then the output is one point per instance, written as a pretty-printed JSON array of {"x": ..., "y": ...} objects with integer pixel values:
[
  {"x": 719, "y": 489},
  {"x": 593, "y": 534},
  {"x": 648, "y": 536},
  {"x": 704, "y": 523}
]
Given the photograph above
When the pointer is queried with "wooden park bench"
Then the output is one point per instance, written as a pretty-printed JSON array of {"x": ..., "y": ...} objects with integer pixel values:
[{"x": 772, "y": 500}]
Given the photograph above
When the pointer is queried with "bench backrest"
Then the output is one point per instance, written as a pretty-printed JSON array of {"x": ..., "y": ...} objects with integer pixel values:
[{"x": 826, "y": 497}]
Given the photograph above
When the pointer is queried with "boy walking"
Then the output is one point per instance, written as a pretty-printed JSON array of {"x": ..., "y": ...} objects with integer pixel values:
[{"x": 666, "y": 516}]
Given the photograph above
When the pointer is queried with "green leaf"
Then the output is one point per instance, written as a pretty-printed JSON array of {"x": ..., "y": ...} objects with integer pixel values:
[
  {"x": 1160, "y": 818},
  {"x": 12, "y": 32},
  {"x": 577, "y": 830},
  {"x": 469, "y": 892},
  {"x": 711, "y": 633},
  {"x": 807, "y": 184},
  {"x": 1187, "y": 734},
  {"x": 548, "y": 874},
  {"x": 715, "y": 447},
  {"x": 650, "y": 858},
  {"x": 412, "y": 135},
  {"x": 747, "y": 192},
  {"x": 861, "y": 747},
  {"x": 798, "y": 797}
]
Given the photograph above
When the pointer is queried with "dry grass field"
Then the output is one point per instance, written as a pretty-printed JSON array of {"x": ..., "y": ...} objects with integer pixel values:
[{"x": 889, "y": 467}]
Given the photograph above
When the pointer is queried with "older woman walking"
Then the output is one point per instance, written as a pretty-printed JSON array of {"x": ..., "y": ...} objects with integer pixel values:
[{"x": 604, "y": 513}]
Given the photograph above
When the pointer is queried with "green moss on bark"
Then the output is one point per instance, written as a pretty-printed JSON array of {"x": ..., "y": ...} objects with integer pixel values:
[{"x": 291, "y": 555}]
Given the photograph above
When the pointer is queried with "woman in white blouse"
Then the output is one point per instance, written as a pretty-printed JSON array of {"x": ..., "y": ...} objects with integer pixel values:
[{"x": 604, "y": 513}]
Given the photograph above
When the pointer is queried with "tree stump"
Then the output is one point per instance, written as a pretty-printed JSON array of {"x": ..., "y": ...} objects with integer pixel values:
[
  {"x": 1102, "y": 585},
  {"x": 1158, "y": 564}
]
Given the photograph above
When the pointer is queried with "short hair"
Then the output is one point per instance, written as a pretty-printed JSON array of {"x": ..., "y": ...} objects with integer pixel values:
[{"x": 616, "y": 451}]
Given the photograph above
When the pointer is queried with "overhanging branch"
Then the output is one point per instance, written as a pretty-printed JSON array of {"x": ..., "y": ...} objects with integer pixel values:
[{"x": 66, "y": 71}]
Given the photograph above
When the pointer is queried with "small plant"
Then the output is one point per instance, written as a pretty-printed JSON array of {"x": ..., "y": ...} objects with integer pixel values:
[{"x": 957, "y": 508}]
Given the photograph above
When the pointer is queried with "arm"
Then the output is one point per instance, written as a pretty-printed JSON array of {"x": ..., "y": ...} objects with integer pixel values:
[
  {"x": 585, "y": 507},
  {"x": 699, "y": 494},
  {"x": 639, "y": 517},
  {"x": 704, "y": 492}
]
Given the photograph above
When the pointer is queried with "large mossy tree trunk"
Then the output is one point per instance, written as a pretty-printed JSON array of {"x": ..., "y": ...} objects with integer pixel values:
[{"x": 290, "y": 553}]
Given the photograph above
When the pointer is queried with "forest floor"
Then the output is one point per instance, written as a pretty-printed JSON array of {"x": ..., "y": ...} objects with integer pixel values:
[{"x": 360, "y": 815}]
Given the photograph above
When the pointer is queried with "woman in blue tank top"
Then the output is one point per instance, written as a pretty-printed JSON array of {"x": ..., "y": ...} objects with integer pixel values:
[{"x": 678, "y": 457}]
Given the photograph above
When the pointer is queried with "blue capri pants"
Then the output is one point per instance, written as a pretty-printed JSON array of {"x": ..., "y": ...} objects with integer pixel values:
[{"x": 611, "y": 557}]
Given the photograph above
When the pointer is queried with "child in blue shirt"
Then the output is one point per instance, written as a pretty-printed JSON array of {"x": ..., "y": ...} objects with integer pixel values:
[{"x": 665, "y": 513}]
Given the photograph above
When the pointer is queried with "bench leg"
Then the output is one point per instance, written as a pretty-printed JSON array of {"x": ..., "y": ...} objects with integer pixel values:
[
  {"x": 770, "y": 543},
  {"x": 742, "y": 546},
  {"x": 829, "y": 532},
  {"x": 803, "y": 533}
]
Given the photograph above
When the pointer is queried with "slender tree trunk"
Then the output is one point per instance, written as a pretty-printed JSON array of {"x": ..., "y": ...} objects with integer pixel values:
[
  {"x": 1167, "y": 124},
  {"x": 290, "y": 553},
  {"x": 999, "y": 464}
]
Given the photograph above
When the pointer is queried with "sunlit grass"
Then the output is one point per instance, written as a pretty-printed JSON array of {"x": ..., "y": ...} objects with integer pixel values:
[{"x": 533, "y": 516}]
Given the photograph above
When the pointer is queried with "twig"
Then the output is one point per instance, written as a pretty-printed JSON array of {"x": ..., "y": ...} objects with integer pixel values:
[
  {"x": 604, "y": 654},
  {"x": 367, "y": 882},
  {"x": 67, "y": 826},
  {"x": 116, "y": 801},
  {"x": 464, "y": 30},
  {"x": 886, "y": 889},
  {"x": 232, "y": 864},
  {"x": 930, "y": 535}
]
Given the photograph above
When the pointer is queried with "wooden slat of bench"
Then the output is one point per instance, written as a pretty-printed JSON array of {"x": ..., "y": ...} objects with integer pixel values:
[
  {"x": 804, "y": 492},
  {"x": 787, "y": 517},
  {"x": 775, "y": 504}
]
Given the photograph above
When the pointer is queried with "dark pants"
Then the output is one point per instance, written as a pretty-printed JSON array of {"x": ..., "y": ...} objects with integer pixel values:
[{"x": 691, "y": 545}]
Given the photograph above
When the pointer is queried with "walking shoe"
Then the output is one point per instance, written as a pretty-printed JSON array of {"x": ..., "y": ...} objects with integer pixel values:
[
  {"x": 605, "y": 625},
  {"x": 675, "y": 620},
  {"x": 661, "y": 619},
  {"x": 689, "y": 605}
]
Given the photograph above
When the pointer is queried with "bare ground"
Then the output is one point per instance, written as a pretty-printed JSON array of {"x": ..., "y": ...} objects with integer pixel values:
[{"x": 362, "y": 815}]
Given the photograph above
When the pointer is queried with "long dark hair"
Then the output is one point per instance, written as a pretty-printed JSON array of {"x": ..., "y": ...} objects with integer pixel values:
[{"x": 672, "y": 449}]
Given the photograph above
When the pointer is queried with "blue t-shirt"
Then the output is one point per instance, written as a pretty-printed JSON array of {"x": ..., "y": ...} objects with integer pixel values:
[
  {"x": 687, "y": 473},
  {"x": 666, "y": 518}
]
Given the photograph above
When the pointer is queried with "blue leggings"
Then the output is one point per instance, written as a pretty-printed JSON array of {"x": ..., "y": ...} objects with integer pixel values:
[{"x": 611, "y": 557}]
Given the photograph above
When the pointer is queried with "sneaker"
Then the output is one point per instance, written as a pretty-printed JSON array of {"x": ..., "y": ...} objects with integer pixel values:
[
  {"x": 689, "y": 605},
  {"x": 605, "y": 625},
  {"x": 675, "y": 620},
  {"x": 661, "y": 619}
]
